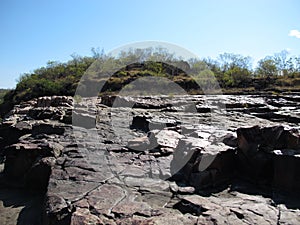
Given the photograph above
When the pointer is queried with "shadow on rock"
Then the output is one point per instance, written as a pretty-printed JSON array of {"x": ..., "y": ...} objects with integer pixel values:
[
  {"x": 20, "y": 207},
  {"x": 290, "y": 200},
  {"x": 265, "y": 162}
]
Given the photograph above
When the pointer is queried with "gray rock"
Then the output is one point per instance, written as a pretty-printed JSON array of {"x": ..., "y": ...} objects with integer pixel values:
[
  {"x": 47, "y": 128},
  {"x": 141, "y": 144},
  {"x": 183, "y": 167},
  {"x": 83, "y": 120},
  {"x": 167, "y": 138},
  {"x": 84, "y": 216},
  {"x": 57, "y": 210}
]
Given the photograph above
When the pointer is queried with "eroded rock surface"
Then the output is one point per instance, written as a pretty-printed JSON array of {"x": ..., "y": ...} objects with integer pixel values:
[{"x": 157, "y": 160}]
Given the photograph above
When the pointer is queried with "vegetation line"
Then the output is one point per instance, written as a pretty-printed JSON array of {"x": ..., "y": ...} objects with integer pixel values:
[{"x": 233, "y": 72}]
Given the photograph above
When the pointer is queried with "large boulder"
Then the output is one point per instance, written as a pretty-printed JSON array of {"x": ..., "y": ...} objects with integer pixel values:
[
  {"x": 270, "y": 156},
  {"x": 27, "y": 163},
  {"x": 286, "y": 170},
  {"x": 202, "y": 163}
]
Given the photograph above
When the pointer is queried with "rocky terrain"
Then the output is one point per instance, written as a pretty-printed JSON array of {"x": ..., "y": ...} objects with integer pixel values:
[{"x": 151, "y": 160}]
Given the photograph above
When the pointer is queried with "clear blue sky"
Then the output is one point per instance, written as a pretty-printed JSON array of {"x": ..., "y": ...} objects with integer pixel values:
[{"x": 35, "y": 31}]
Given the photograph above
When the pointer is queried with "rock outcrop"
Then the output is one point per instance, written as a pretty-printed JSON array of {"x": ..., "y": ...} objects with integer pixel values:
[
  {"x": 156, "y": 160},
  {"x": 270, "y": 155},
  {"x": 28, "y": 140}
]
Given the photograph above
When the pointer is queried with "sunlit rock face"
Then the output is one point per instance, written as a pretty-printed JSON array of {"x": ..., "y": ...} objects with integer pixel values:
[{"x": 157, "y": 159}]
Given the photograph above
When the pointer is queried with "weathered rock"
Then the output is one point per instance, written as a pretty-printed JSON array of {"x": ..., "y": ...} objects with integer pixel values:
[
  {"x": 57, "y": 210},
  {"x": 203, "y": 165},
  {"x": 84, "y": 216},
  {"x": 241, "y": 209},
  {"x": 83, "y": 120},
  {"x": 187, "y": 168},
  {"x": 159, "y": 142},
  {"x": 104, "y": 198},
  {"x": 184, "y": 152},
  {"x": 249, "y": 139},
  {"x": 142, "y": 144},
  {"x": 29, "y": 164},
  {"x": 161, "y": 123},
  {"x": 47, "y": 128},
  {"x": 54, "y": 101},
  {"x": 267, "y": 154},
  {"x": 167, "y": 138},
  {"x": 130, "y": 206}
]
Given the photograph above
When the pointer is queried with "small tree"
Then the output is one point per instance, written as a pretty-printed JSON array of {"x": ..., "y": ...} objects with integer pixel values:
[{"x": 266, "y": 67}]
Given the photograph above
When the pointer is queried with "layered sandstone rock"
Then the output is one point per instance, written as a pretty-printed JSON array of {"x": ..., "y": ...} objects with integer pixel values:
[{"x": 156, "y": 160}]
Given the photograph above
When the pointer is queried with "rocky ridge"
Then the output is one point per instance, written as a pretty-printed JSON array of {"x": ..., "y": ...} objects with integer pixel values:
[{"x": 157, "y": 160}]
